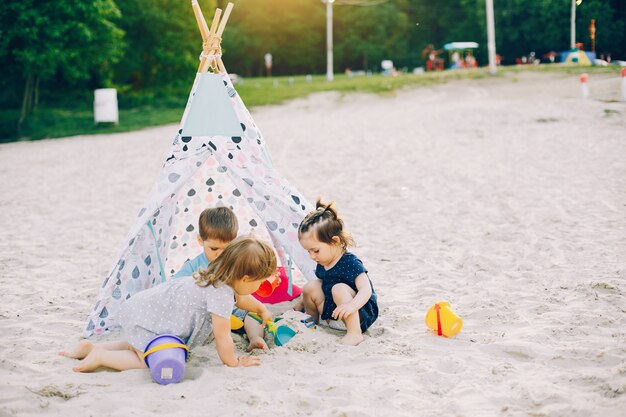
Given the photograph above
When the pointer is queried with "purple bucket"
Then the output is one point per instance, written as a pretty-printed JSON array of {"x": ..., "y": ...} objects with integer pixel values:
[{"x": 165, "y": 355}]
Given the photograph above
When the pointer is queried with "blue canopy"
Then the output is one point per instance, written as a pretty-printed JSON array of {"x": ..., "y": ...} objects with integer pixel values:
[{"x": 452, "y": 46}]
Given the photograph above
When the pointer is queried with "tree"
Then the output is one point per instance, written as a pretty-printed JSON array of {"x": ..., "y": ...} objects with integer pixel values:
[
  {"x": 293, "y": 32},
  {"x": 44, "y": 39},
  {"x": 435, "y": 20},
  {"x": 365, "y": 35},
  {"x": 163, "y": 41}
]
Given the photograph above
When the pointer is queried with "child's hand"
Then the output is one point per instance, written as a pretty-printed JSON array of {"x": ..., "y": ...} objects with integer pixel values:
[
  {"x": 266, "y": 316},
  {"x": 343, "y": 311},
  {"x": 248, "y": 361}
]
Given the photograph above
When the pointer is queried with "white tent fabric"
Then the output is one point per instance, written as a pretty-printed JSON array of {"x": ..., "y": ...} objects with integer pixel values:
[{"x": 218, "y": 158}]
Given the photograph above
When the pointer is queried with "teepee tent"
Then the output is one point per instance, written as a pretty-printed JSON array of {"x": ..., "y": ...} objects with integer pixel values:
[{"x": 218, "y": 158}]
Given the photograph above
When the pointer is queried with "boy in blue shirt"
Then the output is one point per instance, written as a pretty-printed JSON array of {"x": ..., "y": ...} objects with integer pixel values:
[{"x": 217, "y": 228}]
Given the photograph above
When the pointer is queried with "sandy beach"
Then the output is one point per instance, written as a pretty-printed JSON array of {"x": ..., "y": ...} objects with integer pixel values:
[{"x": 504, "y": 196}]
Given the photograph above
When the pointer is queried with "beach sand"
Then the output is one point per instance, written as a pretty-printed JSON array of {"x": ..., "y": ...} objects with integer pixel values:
[{"x": 504, "y": 196}]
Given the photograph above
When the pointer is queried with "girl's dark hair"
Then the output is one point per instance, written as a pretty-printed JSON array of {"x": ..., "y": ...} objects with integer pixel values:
[
  {"x": 325, "y": 223},
  {"x": 243, "y": 256}
]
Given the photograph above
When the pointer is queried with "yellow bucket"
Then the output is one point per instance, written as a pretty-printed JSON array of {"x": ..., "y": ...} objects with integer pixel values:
[
  {"x": 441, "y": 319},
  {"x": 235, "y": 322}
]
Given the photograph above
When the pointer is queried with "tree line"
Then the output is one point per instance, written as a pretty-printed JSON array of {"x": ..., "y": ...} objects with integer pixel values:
[{"x": 54, "y": 49}]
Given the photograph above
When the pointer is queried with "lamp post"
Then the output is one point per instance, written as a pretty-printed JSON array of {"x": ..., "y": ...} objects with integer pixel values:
[
  {"x": 329, "y": 39},
  {"x": 491, "y": 37},
  {"x": 573, "y": 23}
]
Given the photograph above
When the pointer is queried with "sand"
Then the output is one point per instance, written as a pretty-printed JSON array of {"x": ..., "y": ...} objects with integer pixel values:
[{"x": 504, "y": 196}]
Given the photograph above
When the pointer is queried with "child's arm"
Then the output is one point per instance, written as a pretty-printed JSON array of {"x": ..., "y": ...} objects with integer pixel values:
[
  {"x": 363, "y": 294},
  {"x": 249, "y": 303},
  {"x": 226, "y": 348}
]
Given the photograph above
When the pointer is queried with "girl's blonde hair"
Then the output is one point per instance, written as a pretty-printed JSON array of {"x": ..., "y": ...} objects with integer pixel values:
[
  {"x": 243, "y": 256},
  {"x": 326, "y": 224}
]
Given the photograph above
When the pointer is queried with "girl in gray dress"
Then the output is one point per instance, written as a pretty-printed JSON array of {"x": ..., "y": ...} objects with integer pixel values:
[{"x": 190, "y": 308}]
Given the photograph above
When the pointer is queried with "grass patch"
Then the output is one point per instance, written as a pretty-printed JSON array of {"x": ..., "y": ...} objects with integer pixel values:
[
  {"x": 68, "y": 119},
  {"x": 262, "y": 91},
  {"x": 53, "y": 123},
  {"x": 610, "y": 112},
  {"x": 165, "y": 105}
]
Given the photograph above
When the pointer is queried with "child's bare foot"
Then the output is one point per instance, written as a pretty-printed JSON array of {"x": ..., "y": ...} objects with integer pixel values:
[
  {"x": 90, "y": 363},
  {"x": 257, "y": 343},
  {"x": 352, "y": 339},
  {"x": 80, "y": 351}
]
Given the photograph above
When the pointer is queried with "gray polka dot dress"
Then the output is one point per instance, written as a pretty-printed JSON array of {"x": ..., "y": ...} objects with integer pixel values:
[{"x": 178, "y": 307}]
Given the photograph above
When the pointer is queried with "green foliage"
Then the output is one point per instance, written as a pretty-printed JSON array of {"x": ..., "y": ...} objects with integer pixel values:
[
  {"x": 54, "y": 53},
  {"x": 544, "y": 26},
  {"x": 292, "y": 31},
  {"x": 367, "y": 35},
  {"x": 163, "y": 39},
  {"x": 56, "y": 39},
  {"x": 522, "y": 26}
]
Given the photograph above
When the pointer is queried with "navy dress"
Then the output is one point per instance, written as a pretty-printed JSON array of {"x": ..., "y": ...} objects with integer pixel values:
[{"x": 345, "y": 271}]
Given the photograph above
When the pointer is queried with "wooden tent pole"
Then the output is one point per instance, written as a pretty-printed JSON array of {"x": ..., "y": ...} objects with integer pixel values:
[
  {"x": 216, "y": 19},
  {"x": 211, "y": 38},
  {"x": 207, "y": 45},
  {"x": 229, "y": 8},
  {"x": 218, "y": 65},
  {"x": 204, "y": 30}
]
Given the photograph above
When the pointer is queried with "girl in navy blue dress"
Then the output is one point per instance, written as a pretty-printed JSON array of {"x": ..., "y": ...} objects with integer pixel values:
[{"x": 343, "y": 291}]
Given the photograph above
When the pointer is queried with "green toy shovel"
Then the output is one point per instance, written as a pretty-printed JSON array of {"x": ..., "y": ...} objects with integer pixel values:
[{"x": 282, "y": 334}]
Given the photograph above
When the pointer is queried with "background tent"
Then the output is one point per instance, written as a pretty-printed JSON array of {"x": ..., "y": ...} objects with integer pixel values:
[
  {"x": 218, "y": 158},
  {"x": 577, "y": 56}
]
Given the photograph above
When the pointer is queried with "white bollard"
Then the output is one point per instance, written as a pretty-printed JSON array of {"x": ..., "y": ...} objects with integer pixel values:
[
  {"x": 584, "y": 88},
  {"x": 623, "y": 84},
  {"x": 105, "y": 106}
]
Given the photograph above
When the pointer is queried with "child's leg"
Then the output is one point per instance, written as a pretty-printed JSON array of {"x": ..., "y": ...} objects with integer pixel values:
[
  {"x": 120, "y": 360},
  {"x": 254, "y": 331},
  {"x": 343, "y": 294},
  {"x": 79, "y": 351},
  {"x": 84, "y": 347},
  {"x": 118, "y": 345},
  {"x": 299, "y": 305},
  {"x": 313, "y": 298}
]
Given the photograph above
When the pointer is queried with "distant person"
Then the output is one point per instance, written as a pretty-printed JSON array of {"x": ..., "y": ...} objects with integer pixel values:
[
  {"x": 456, "y": 58},
  {"x": 433, "y": 63},
  {"x": 190, "y": 308},
  {"x": 470, "y": 61},
  {"x": 343, "y": 294}
]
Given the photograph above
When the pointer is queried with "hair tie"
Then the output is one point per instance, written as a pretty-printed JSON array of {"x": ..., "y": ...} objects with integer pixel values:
[{"x": 332, "y": 212}]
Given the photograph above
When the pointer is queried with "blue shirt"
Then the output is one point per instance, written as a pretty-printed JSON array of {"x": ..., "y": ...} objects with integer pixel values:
[{"x": 192, "y": 266}]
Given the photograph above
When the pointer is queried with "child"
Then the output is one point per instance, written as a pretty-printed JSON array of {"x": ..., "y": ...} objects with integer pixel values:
[
  {"x": 343, "y": 290},
  {"x": 217, "y": 227},
  {"x": 190, "y": 308}
]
